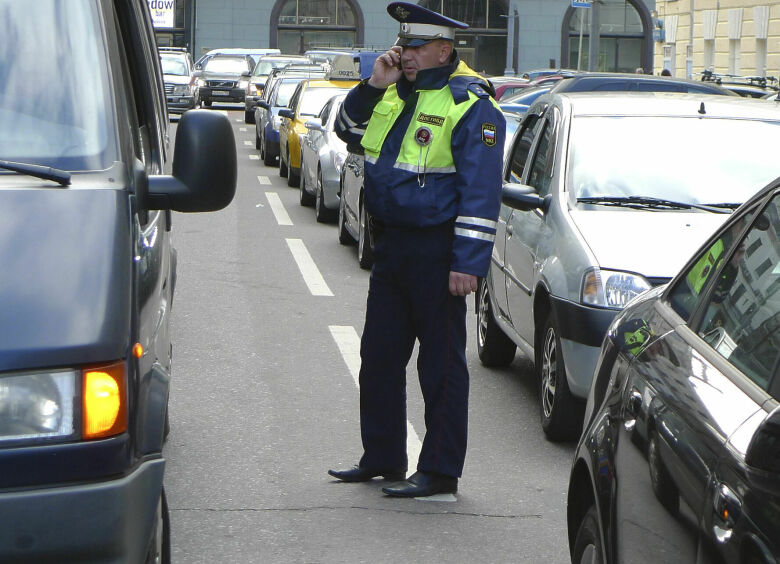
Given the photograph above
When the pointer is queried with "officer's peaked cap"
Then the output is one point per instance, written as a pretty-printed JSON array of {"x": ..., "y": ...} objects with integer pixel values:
[{"x": 420, "y": 25}]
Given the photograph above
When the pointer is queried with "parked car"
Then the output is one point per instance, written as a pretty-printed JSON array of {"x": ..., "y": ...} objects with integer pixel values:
[
  {"x": 680, "y": 458},
  {"x": 602, "y": 202},
  {"x": 268, "y": 120},
  {"x": 745, "y": 86},
  {"x": 508, "y": 89},
  {"x": 629, "y": 82},
  {"x": 260, "y": 74},
  {"x": 322, "y": 156},
  {"x": 353, "y": 217},
  {"x": 88, "y": 278},
  {"x": 309, "y": 98},
  {"x": 519, "y": 103},
  {"x": 224, "y": 78},
  {"x": 181, "y": 85}
]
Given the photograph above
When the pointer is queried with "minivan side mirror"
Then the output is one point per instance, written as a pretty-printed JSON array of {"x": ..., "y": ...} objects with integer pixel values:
[
  {"x": 763, "y": 452},
  {"x": 246, "y": 73},
  {"x": 287, "y": 112},
  {"x": 204, "y": 166},
  {"x": 523, "y": 197},
  {"x": 263, "y": 104}
]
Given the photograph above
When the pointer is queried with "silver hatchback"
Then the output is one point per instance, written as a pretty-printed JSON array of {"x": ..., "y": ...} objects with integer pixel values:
[{"x": 606, "y": 196}]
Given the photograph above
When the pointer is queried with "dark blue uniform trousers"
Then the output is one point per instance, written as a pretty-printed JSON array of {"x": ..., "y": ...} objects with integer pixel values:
[{"x": 408, "y": 299}]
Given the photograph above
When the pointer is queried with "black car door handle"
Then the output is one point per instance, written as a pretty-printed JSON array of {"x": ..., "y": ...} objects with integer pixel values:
[
  {"x": 633, "y": 407},
  {"x": 728, "y": 510}
]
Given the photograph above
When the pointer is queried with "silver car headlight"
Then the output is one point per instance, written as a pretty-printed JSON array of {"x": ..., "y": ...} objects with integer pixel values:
[
  {"x": 181, "y": 90},
  {"x": 611, "y": 288},
  {"x": 242, "y": 84},
  {"x": 38, "y": 405},
  {"x": 277, "y": 122},
  {"x": 252, "y": 90},
  {"x": 201, "y": 82}
]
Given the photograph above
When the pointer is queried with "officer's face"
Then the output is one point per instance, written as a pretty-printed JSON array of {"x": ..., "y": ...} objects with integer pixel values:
[{"x": 433, "y": 54}]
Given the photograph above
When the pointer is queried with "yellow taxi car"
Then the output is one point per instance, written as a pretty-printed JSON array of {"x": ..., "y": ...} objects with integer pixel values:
[{"x": 308, "y": 100}]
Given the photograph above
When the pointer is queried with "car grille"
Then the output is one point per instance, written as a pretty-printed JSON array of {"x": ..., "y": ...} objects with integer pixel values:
[
  {"x": 168, "y": 88},
  {"x": 221, "y": 83}
]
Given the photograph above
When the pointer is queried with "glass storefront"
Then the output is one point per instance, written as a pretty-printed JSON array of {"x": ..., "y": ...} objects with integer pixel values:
[{"x": 312, "y": 24}]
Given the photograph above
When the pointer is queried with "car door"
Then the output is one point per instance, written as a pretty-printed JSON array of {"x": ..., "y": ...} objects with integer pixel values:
[
  {"x": 680, "y": 406},
  {"x": 524, "y": 229}
]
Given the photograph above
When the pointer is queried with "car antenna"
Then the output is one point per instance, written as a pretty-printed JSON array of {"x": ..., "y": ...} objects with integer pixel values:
[{"x": 702, "y": 111}]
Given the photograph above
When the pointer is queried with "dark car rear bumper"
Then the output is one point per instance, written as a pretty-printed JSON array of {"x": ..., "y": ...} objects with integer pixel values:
[{"x": 101, "y": 522}]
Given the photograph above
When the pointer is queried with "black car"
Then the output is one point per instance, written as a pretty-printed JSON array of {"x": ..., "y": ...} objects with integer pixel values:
[
  {"x": 626, "y": 82},
  {"x": 88, "y": 277},
  {"x": 680, "y": 458},
  {"x": 224, "y": 78}
]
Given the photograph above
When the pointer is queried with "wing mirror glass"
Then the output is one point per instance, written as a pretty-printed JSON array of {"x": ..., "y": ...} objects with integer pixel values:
[
  {"x": 763, "y": 452},
  {"x": 315, "y": 124}
]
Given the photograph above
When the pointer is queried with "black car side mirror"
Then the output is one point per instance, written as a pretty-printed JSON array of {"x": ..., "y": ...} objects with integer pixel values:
[
  {"x": 204, "y": 166},
  {"x": 523, "y": 197},
  {"x": 263, "y": 104},
  {"x": 763, "y": 452},
  {"x": 246, "y": 73},
  {"x": 287, "y": 112}
]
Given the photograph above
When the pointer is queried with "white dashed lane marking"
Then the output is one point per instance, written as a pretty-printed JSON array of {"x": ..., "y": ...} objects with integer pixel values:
[
  {"x": 264, "y": 180},
  {"x": 348, "y": 343},
  {"x": 277, "y": 207},
  {"x": 309, "y": 271},
  {"x": 254, "y": 157}
]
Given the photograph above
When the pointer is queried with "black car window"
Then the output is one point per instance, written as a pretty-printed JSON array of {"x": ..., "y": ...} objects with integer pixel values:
[
  {"x": 325, "y": 113},
  {"x": 742, "y": 317},
  {"x": 690, "y": 287},
  {"x": 521, "y": 149},
  {"x": 539, "y": 176}
]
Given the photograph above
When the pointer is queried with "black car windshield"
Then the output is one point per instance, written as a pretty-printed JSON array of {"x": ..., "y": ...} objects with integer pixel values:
[
  {"x": 67, "y": 125},
  {"x": 226, "y": 65},
  {"x": 172, "y": 65},
  {"x": 314, "y": 100},
  {"x": 680, "y": 159}
]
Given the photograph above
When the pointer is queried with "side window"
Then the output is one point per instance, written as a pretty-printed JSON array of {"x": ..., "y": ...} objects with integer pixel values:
[
  {"x": 684, "y": 297},
  {"x": 325, "y": 113},
  {"x": 522, "y": 148},
  {"x": 539, "y": 176},
  {"x": 742, "y": 318}
]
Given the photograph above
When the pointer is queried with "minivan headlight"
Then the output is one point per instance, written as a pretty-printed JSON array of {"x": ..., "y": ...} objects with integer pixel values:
[
  {"x": 611, "y": 288},
  {"x": 38, "y": 405}
]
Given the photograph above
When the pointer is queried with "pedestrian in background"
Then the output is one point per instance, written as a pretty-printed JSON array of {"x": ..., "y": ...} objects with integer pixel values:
[{"x": 433, "y": 139}]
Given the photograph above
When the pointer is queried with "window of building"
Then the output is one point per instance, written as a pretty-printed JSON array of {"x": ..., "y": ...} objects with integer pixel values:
[
  {"x": 621, "y": 39},
  {"x": 312, "y": 24},
  {"x": 709, "y": 53},
  {"x": 761, "y": 57}
]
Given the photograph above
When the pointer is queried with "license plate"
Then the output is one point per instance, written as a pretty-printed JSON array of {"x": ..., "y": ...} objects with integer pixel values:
[{"x": 220, "y": 93}]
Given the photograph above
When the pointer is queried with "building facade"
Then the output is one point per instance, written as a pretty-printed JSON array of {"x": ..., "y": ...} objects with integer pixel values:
[
  {"x": 504, "y": 36},
  {"x": 732, "y": 37}
]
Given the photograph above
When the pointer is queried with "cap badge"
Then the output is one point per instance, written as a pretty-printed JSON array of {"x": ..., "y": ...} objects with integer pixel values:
[
  {"x": 423, "y": 136},
  {"x": 404, "y": 28},
  {"x": 401, "y": 13}
]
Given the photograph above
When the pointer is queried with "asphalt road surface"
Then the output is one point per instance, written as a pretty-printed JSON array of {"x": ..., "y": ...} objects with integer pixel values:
[{"x": 267, "y": 316}]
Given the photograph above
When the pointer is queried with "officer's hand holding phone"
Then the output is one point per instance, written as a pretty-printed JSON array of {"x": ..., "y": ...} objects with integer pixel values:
[{"x": 387, "y": 68}]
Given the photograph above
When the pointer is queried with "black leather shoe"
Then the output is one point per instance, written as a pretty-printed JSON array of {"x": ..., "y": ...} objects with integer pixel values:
[
  {"x": 360, "y": 474},
  {"x": 423, "y": 484}
]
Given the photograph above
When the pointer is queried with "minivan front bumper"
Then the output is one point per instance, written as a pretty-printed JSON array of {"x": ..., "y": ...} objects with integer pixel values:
[{"x": 102, "y": 522}]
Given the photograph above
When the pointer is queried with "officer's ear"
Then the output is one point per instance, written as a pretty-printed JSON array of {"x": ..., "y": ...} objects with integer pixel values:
[{"x": 445, "y": 50}]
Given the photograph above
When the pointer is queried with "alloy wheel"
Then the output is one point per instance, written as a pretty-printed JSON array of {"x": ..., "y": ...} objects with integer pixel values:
[{"x": 549, "y": 372}]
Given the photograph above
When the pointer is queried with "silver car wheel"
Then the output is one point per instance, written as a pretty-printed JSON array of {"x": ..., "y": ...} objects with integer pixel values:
[
  {"x": 549, "y": 372},
  {"x": 482, "y": 315}
]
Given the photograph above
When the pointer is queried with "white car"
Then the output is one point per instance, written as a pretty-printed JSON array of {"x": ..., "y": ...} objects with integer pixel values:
[{"x": 606, "y": 196}]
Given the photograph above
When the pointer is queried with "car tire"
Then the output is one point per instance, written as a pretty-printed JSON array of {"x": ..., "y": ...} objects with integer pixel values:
[
  {"x": 561, "y": 413},
  {"x": 249, "y": 117},
  {"x": 588, "y": 548},
  {"x": 306, "y": 199},
  {"x": 345, "y": 238},
  {"x": 664, "y": 488},
  {"x": 282, "y": 166},
  {"x": 293, "y": 179},
  {"x": 268, "y": 159},
  {"x": 323, "y": 214},
  {"x": 160, "y": 544},
  {"x": 493, "y": 346},
  {"x": 365, "y": 254},
  {"x": 259, "y": 145}
]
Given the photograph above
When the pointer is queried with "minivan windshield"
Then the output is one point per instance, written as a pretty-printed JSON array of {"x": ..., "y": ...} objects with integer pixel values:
[
  {"x": 55, "y": 101},
  {"x": 226, "y": 65},
  {"x": 173, "y": 65},
  {"x": 681, "y": 159}
]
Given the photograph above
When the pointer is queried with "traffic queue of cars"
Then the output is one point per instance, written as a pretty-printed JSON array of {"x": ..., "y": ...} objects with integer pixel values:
[{"x": 607, "y": 194}]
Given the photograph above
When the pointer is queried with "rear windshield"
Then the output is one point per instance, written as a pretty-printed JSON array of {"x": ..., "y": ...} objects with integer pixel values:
[
  {"x": 227, "y": 65},
  {"x": 675, "y": 158},
  {"x": 55, "y": 102}
]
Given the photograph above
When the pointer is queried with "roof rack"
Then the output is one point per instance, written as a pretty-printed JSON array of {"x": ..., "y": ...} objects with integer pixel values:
[{"x": 769, "y": 82}]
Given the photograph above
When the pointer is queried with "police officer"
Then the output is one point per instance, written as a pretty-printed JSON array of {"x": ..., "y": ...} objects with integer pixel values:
[{"x": 433, "y": 141}]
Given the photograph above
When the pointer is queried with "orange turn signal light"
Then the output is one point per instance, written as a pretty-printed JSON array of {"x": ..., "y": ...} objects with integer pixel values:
[
  {"x": 104, "y": 392},
  {"x": 138, "y": 350}
]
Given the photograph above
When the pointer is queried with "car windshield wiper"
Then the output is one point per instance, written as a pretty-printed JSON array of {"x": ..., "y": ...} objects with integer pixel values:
[
  {"x": 61, "y": 177},
  {"x": 645, "y": 202},
  {"x": 727, "y": 205}
]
